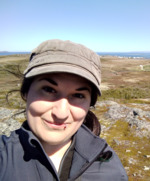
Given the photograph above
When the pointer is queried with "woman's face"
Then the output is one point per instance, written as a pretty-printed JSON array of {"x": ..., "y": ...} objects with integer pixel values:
[{"x": 56, "y": 106}]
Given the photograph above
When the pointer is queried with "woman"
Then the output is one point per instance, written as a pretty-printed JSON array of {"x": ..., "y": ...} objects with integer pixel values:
[{"x": 56, "y": 142}]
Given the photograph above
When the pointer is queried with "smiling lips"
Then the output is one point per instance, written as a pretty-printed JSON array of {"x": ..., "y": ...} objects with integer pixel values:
[{"x": 55, "y": 125}]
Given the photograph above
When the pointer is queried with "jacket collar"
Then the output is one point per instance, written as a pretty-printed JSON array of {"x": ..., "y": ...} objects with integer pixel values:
[
  {"x": 87, "y": 144},
  {"x": 33, "y": 148},
  {"x": 88, "y": 148}
]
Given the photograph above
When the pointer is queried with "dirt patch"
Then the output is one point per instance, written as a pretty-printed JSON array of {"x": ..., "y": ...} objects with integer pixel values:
[{"x": 104, "y": 86}]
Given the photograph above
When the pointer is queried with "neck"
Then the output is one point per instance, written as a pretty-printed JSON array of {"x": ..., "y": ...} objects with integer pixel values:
[{"x": 56, "y": 152}]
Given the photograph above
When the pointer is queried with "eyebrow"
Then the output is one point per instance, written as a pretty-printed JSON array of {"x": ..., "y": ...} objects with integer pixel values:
[
  {"x": 49, "y": 80},
  {"x": 84, "y": 89},
  {"x": 55, "y": 83}
]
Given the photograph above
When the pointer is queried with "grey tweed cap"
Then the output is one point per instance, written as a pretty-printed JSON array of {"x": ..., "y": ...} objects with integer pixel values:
[{"x": 54, "y": 56}]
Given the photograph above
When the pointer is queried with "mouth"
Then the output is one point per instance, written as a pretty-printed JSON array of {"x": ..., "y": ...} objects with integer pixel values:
[{"x": 55, "y": 125}]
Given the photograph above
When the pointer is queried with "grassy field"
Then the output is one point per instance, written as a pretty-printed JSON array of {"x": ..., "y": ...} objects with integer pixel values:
[
  {"x": 123, "y": 81},
  {"x": 11, "y": 69}
]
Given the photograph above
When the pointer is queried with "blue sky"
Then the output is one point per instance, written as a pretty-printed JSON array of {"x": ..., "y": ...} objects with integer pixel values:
[{"x": 102, "y": 25}]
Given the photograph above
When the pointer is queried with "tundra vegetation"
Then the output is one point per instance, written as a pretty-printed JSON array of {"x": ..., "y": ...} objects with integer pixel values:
[{"x": 125, "y": 90}]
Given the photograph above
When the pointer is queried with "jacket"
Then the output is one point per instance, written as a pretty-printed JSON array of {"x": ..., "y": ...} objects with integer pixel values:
[{"x": 22, "y": 158}]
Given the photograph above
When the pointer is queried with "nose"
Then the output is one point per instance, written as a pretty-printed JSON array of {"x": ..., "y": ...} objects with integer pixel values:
[{"x": 61, "y": 109}]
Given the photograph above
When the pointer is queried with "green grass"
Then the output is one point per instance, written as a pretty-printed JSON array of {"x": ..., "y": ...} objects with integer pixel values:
[
  {"x": 127, "y": 93},
  {"x": 128, "y": 141},
  {"x": 146, "y": 67}
]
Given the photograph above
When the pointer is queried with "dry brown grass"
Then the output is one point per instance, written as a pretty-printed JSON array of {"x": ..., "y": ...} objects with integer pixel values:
[
  {"x": 124, "y": 72},
  {"x": 126, "y": 75},
  {"x": 11, "y": 81}
]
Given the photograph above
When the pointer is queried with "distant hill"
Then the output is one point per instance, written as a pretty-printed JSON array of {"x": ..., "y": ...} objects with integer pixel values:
[
  {"x": 12, "y": 53},
  {"x": 3, "y": 51}
]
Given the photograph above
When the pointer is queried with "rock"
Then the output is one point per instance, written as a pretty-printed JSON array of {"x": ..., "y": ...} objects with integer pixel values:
[
  {"x": 8, "y": 121},
  {"x": 146, "y": 168},
  {"x": 141, "y": 67},
  {"x": 128, "y": 151},
  {"x": 134, "y": 174},
  {"x": 132, "y": 161},
  {"x": 134, "y": 116},
  {"x": 117, "y": 111},
  {"x": 116, "y": 141},
  {"x": 147, "y": 156},
  {"x": 11, "y": 125},
  {"x": 8, "y": 126},
  {"x": 105, "y": 103},
  {"x": 5, "y": 113},
  {"x": 126, "y": 168}
]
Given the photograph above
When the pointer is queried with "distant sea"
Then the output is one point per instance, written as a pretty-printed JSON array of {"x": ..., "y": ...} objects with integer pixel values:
[
  {"x": 145, "y": 55},
  {"x": 12, "y": 53},
  {"x": 139, "y": 55}
]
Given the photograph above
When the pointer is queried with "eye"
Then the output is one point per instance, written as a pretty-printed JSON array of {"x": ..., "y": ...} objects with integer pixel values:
[
  {"x": 49, "y": 89},
  {"x": 79, "y": 95}
]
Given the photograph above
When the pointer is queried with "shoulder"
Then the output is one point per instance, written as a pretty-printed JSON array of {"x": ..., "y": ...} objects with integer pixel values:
[
  {"x": 8, "y": 140},
  {"x": 107, "y": 166},
  {"x": 9, "y": 145},
  {"x": 107, "y": 169},
  {"x": 114, "y": 166},
  {"x": 10, "y": 151}
]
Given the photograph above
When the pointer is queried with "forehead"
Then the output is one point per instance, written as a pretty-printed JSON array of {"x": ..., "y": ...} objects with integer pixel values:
[{"x": 64, "y": 78}]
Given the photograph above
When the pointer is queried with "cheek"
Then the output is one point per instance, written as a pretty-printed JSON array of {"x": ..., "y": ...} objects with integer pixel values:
[
  {"x": 78, "y": 113},
  {"x": 35, "y": 105},
  {"x": 37, "y": 108}
]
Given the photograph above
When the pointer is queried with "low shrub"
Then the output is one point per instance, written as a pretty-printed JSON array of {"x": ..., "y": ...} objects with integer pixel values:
[{"x": 126, "y": 93}]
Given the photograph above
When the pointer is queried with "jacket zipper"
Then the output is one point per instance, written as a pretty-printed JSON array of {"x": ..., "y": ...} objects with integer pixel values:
[{"x": 86, "y": 166}]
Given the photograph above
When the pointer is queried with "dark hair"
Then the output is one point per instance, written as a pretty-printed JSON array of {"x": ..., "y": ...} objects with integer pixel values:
[
  {"x": 92, "y": 123},
  {"x": 25, "y": 86},
  {"x": 91, "y": 120}
]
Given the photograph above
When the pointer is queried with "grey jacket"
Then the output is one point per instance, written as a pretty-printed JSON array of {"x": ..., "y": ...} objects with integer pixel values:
[{"x": 22, "y": 158}]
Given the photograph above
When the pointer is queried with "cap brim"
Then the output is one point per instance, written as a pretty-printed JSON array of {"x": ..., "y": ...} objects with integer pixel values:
[{"x": 66, "y": 68}]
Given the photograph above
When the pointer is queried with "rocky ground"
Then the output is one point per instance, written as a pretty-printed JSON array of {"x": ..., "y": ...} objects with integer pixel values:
[
  {"x": 132, "y": 115},
  {"x": 9, "y": 120},
  {"x": 126, "y": 127}
]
